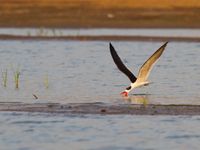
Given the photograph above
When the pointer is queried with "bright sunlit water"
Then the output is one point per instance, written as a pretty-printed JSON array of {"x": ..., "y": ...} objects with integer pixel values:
[{"x": 83, "y": 71}]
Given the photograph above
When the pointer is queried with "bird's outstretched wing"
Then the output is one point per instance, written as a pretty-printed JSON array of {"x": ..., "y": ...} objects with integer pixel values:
[
  {"x": 147, "y": 66},
  {"x": 120, "y": 64}
]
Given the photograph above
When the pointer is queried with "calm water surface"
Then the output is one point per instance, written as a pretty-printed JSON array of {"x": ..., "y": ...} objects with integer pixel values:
[
  {"x": 85, "y": 72},
  {"x": 101, "y": 32},
  {"x": 24, "y": 131}
]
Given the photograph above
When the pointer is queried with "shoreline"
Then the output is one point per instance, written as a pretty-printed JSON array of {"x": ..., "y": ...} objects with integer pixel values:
[
  {"x": 102, "y": 38},
  {"x": 101, "y": 109}
]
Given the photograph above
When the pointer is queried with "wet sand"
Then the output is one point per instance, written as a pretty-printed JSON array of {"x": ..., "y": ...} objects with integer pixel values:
[{"x": 102, "y": 108}]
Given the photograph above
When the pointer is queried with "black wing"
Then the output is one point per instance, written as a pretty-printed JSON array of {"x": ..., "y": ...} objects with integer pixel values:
[{"x": 120, "y": 64}]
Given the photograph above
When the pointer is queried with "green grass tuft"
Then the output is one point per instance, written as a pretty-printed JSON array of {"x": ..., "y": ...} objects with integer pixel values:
[
  {"x": 5, "y": 77},
  {"x": 16, "y": 78}
]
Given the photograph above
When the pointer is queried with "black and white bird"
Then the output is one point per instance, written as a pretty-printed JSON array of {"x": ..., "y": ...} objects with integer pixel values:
[{"x": 144, "y": 71}]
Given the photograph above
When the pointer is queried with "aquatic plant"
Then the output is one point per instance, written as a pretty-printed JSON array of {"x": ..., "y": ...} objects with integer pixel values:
[
  {"x": 45, "y": 33},
  {"x": 54, "y": 32},
  {"x": 5, "y": 77},
  {"x": 28, "y": 33},
  {"x": 60, "y": 33},
  {"x": 40, "y": 32},
  {"x": 46, "y": 81},
  {"x": 16, "y": 78}
]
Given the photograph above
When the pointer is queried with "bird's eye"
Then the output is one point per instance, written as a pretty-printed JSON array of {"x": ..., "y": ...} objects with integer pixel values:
[{"x": 128, "y": 88}]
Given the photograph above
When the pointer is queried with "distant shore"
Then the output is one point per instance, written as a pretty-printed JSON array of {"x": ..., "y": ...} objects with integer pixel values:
[
  {"x": 101, "y": 38},
  {"x": 100, "y": 14}
]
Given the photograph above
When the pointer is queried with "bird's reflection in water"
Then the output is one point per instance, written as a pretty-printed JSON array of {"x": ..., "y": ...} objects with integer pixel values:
[{"x": 137, "y": 99}]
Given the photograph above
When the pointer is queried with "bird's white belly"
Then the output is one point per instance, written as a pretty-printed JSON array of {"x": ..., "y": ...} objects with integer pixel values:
[{"x": 139, "y": 84}]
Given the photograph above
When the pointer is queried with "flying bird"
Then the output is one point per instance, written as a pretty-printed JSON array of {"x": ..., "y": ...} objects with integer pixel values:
[{"x": 144, "y": 71}]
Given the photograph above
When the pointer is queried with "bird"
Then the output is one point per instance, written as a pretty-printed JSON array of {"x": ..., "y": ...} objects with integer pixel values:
[{"x": 144, "y": 71}]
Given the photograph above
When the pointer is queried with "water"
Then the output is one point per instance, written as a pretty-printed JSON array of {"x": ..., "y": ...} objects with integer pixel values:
[
  {"x": 101, "y": 32},
  {"x": 24, "y": 131},
  {"x": 83, "y": 71}
]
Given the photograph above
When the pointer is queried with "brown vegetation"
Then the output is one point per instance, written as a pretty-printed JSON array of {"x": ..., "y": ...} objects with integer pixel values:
[{"x": 100, "y": 13}]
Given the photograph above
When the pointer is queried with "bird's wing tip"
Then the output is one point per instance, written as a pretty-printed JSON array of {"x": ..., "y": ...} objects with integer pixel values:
[
  {"x": 164, "y": 45},
  {"x": 111, "y": 46}
]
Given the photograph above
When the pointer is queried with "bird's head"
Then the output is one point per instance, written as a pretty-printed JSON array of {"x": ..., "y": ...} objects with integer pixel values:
[{"x": 126, "y": 91}]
